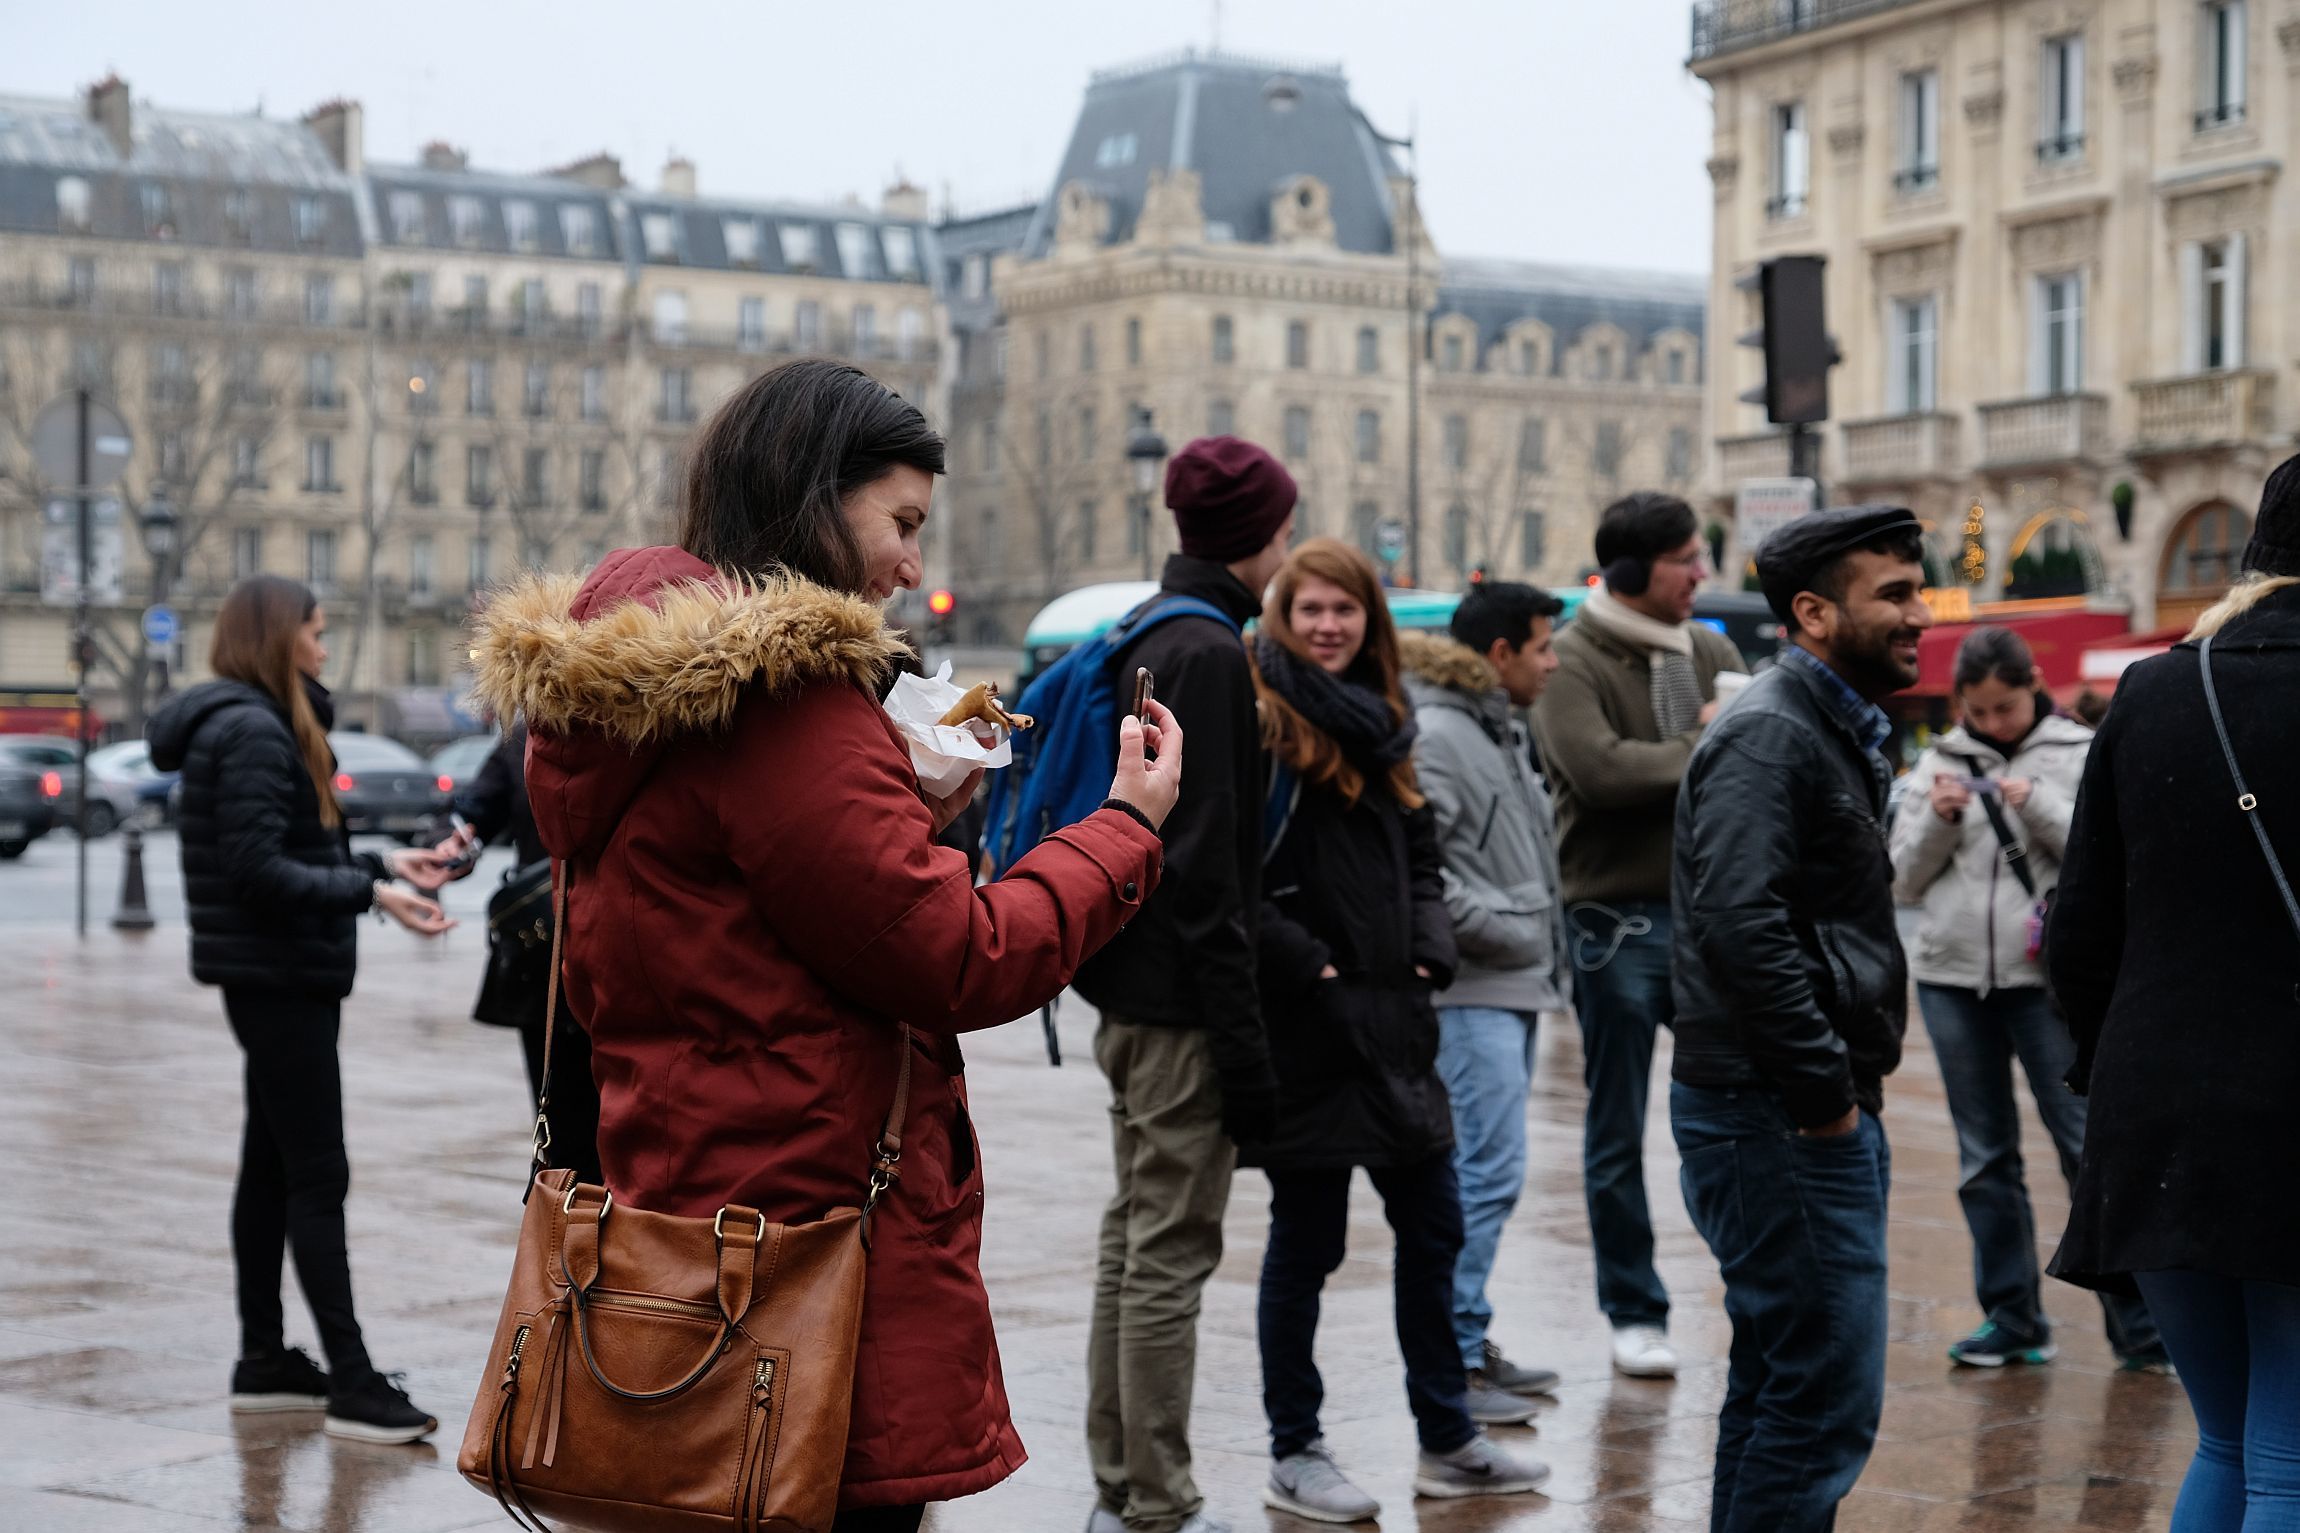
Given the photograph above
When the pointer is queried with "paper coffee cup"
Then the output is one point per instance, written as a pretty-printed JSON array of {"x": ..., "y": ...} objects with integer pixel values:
[{"x": 1731, "y": 684}]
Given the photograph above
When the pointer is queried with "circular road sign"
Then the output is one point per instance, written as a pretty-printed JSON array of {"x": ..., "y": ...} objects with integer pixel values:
[
  {"x": 160, "y": 626},
  {"x": 56, "y": 444}
]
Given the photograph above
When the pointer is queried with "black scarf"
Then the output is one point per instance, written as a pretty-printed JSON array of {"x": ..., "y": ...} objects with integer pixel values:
[
  {"x": 1356, "y": 717},
  {"x": 322, "y": 702}
]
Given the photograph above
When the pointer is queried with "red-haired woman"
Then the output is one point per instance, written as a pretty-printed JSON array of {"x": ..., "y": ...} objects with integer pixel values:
[
  {"x": 273, "y": 892},
  {"x": 1355, "y": 936}
]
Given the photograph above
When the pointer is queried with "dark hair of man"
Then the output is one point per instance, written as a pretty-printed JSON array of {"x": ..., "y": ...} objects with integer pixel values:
[
  {"x": 1501, "y": 609},
  {"x": 773, "y": 468},
  {"x": 1995, "y": 653},
  {"x": 1641, "y": 527},
  {"x": 1906, "y": 544}
]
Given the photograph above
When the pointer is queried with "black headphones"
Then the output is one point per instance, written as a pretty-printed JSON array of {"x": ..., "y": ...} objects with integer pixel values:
[{"x": 1628, "y": 575}]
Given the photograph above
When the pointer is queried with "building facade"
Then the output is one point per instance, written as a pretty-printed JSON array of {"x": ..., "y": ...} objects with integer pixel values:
[{"x": 2060, "y": 272}]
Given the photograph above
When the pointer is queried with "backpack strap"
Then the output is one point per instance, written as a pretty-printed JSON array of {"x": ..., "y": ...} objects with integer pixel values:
[
  {"x": 1278, "y": 806},
  {"x": 1158, "y": 609}
]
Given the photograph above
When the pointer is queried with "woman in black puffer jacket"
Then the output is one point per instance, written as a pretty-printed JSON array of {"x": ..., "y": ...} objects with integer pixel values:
[{"x": 274, "y": 891}]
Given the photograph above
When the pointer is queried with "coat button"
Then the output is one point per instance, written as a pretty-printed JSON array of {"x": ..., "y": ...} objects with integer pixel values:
[{"x": 1131, "y": 892}]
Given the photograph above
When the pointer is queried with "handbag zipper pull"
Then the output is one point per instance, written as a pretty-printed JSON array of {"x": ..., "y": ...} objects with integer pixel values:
[{"x": 511, "y": 1363}]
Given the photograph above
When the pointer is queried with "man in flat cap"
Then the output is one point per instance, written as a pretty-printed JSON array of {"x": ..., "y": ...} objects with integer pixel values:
[{"x": 1791, "y": 994}]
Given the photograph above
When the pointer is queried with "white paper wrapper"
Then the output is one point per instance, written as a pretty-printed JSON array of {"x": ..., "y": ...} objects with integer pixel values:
[{"x": 943, "y": 754}]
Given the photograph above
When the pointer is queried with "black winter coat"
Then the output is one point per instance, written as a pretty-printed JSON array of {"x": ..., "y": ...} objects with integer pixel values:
[
  {"x": 273, "y": 893},
  {"x": 1362, "y": 889},
  {"x": 1187, "y": 960},
  {"x": 2179, "y": 971},
  {"x": 1789, "y": 974},
  {"x": 495, "y": 802}
]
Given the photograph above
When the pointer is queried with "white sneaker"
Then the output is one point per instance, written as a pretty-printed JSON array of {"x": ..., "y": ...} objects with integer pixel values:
[{"x": 1643, "y": 1352}]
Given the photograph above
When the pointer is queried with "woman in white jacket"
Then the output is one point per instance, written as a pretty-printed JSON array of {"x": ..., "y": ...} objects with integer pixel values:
[{"x": 2004, "y": 779}]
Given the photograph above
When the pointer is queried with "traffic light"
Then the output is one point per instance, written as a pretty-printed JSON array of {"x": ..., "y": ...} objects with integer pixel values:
[
  {"x": 940, "y": 605},
  {"x": 1794, "y": 337}
]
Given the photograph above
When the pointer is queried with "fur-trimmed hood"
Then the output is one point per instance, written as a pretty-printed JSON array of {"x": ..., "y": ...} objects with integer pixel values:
[
  {"x": 654, "y": 645},
  {"x": 1446, "y": 663}
]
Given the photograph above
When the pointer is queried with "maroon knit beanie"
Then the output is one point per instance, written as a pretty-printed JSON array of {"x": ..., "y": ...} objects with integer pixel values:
[{"x": 1229, "y": 498}]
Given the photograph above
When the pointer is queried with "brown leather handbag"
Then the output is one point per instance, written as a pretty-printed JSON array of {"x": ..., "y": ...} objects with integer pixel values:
[{"x": 653, "y": 1372}]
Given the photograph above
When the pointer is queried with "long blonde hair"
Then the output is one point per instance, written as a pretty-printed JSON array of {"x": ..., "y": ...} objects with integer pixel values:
[
  {"x": 255, "y": 644},
  {"x": 2248, "y": 592},
  {"x": 1292, "y": 738}
]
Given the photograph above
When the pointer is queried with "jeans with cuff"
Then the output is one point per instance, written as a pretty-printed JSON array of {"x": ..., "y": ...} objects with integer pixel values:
[
  {"x": 1621, "y": 961},
  {"x": 1485, "y": 1056}
]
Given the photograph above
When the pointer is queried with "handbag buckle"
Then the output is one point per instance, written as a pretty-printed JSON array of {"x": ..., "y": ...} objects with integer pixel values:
[
  {"x": 606, "y": 1202},
  {"x": 2248, "y": 802},
  {"x": 719, "y": 1227}
]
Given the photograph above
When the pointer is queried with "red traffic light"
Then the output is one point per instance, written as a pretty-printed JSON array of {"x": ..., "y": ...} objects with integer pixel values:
[{"x": 941, "y": 603}]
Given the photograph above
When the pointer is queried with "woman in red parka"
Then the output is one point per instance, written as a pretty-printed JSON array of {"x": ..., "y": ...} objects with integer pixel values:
[{"x": 757, "y": 899}]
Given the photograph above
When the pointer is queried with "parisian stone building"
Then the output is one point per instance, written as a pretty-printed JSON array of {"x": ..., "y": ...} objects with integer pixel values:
[{"x": 2060, "y": 270}]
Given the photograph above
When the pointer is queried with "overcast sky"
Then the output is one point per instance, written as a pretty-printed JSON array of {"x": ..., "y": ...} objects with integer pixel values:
[{"x": 1558, "y": 130}]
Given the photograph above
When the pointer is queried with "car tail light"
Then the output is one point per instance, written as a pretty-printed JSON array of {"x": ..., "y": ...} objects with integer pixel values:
[
  {"x": 52, "y": 784},
  {"x": 446, "y": 783},
  {"x": 344, "y": 782}
]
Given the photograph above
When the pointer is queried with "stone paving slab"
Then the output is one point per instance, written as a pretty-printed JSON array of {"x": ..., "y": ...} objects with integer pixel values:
[{"x": 119, "y": 1123}]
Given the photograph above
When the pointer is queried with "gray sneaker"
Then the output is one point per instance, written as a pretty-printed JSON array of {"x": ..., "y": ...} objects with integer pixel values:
[
  {"x": 1310, "y": 1484},
  {"x": 1493, "y": 1407},
  {"x": 1501, "y": 1373},
  {"x": 1477, "y": 1468}
]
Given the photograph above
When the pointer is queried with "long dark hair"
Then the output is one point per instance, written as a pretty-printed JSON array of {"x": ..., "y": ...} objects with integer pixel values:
[
  {"x": 1293, "y": 739},
  {"x": 774, "y": 466},
  {"x": 255, "y": 644},
  {"x": 1995, "y": 652}
]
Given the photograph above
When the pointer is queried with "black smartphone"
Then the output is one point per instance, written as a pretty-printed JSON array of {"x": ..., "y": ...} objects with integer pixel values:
[{"x": 1144, "y": 685}]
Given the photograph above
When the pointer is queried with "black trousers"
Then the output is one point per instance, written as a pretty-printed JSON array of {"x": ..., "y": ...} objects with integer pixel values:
[
  {"x": 294, "y": 1174},
  {"x": 574, "y": 1094},
  {"x": 879, "y": 1519}
]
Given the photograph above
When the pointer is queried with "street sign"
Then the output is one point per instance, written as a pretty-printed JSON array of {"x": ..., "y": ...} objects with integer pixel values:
[
  {"x": 160, "y": 626},
  {"x": 1762, "y": 507},
  {"x": 1390, "y": 539},
  {"x": 56, "y": 444},
  {"x": 60, "y": 552}
]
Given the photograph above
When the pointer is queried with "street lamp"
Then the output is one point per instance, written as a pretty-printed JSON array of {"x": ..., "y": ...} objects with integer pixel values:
[
  {"x": 1146, "y": 450},
  {"x": 159, "y": 525}
]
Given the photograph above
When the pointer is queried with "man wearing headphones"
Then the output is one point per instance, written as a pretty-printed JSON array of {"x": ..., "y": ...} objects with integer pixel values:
[{"x": 1636, "y": 685}]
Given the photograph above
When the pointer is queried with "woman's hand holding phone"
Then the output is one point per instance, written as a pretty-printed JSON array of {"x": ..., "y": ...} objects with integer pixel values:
[{"x": 1149, "y": 762}]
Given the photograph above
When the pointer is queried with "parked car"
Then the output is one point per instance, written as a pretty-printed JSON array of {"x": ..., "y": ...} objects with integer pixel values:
[
  {"x": 384, "y": 788},
  {"x": 27, "y": 805},
  {"x": 113, "y": 796},
  {"x": 132, "y": 789},
  {"x": 458, "y": 761}
]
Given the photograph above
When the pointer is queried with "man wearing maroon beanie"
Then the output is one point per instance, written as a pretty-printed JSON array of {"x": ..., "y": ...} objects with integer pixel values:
[{"x": 1181, "y": 1036}]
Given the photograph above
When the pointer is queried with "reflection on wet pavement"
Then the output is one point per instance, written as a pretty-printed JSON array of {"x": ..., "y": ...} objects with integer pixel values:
[{"x": 119, "y": 1118}]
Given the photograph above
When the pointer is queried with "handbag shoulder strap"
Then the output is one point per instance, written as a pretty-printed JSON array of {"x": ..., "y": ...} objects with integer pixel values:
[
  {"x": 886, "y": 1155},
  {"x": 2015, "y": 854},
  {"x": 2247, "y": 802}
]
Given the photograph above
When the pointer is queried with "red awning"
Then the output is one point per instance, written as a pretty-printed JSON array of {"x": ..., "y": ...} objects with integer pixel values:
[
  {"x": 2058, "y": 640},
  {"x": 2103, "y": 662}
]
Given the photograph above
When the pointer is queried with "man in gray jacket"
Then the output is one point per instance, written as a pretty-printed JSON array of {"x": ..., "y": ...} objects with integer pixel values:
[{"x": 1475, "y": 764}]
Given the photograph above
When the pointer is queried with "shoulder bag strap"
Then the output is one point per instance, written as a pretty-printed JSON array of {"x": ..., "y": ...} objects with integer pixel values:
[
  {"x": 539, "y": 1151},
  {"x": 2015, "y": 854},
  {"x": 2247, "y": 802},
  {"x": 886, "y": 1156}
]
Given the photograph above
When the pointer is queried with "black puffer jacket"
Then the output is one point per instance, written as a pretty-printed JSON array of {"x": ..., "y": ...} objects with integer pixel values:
[
  {"x": 1789, "y": 970},
  {"x": 272, "y": 892},
  {"x": 1362, "y": 889}
]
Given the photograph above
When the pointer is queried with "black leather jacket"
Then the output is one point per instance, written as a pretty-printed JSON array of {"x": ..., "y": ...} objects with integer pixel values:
[{"x": 1789, "y": 971}]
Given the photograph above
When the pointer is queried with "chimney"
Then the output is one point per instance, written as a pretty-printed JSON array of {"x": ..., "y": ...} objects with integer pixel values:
[
  {"x": 903, "y": 200},
  {"x": 679, "y": 178},
  {"x": 442, "y": 155},
  {"x": 109, "y": 109},
  {"x": 342, "y": 131},
  {"x": 601, "y": 172}
]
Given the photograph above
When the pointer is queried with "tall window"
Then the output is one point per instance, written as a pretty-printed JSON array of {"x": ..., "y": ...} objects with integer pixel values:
[
  {"x": 407, "y": 217},
  {"x": 318, "y": 300},
  {"x": 1087, "y": 526},
  {"x": 247, "y": 462},
  {"x": 909, "y": 334},
  {"x": 422, "y": 657},
  {"x": 990, "y": 445},
  {"x": 466, "y": 219},
  {"x": 475, "y": 304},
  {"x": 742, "y": 237},
  {"x": 1912, "y": 343},
  {"x": 1366, "y": 527},
  {"x": 854, "y": 250},
  {"x": 659, "y": 233},
  {"x": 1449, "y": 355},
  {"x": 168, "y": 288},
  {"x": 423, "y": 473},
  {"x": 2060, "y": 78},
  {"x": 1298, "y": 344},
  {"x": 479, "y": 385},
  {"x": 751, "y": 324},
  {"x": 1457, "y": 442},
  {"x": 310, "y": 220},
  {"x": 1528, "y": 358},
  {"x": 866, "y": 329},
  {"x": 1457, "y": 538},
  {"x": 2056, "y": 353},
  {"x": 1605, "y": 449},
  {"x": 1792, "y": 161},
  {"x": 479, "y": 476},
  {"x": 319, "y": 465},
  {"x": 422, "y": 564},
  {"x": 671, "y": 318},
  {"x": 1369, "y": 350},
  {"x": 80, "y": 280},
  {"x": 519, "y": 225},
  {"x": 587, "y": 308},
  {"x": 477, "y": 561},
  {"x": 171, "y": 374},
  {"x": 1086, "y": 431},
  {"x": 1533, "y": 445},
  {"x": 594, "y": 393},
  {"x": 899, "y": 244},
  {"x": 1920, "y": 156},
  {"x": 1133, "y": 343},
  {"x": 2220, "y": 63},
  {"x": 591, "y": 479},
  {"x": 1086, "y": 348},
  {"x": 535, "y": 476},
  {"x": 535, "y": 394},
  {"x": 1674, "y": 366},
  {"x": 579, "y": 229},
  {"x": 319, "y": 558},
  {"x": 807, "y": 325},
  {"x": 676, "y": 400},
  {"x": 319, "y": 380},
  {"x": 1369, "y": 436},
  {"x": 247, "y": 552},
  {"x": 159, "y": 210},
  {"x": 71, "y": 204},
  {"x": 240, "y": 293},
  {"x": 1532, "y": 539},
  {"x": 1297, "y": 436},
  {"x": 1678, "y": 465},
  {"x": 2213, "y": 303},
  {"x": 1225, "y": 339},
  {"x": 1221, "y": 418}
]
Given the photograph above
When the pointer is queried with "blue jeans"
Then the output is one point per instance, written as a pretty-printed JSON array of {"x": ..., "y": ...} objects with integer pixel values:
[
  {"x": 1621, "y": 954},
  {"x": 1485, "y": 1056},
  {"x": 1309, "y": 1234},
  {"x": 2237, "y": 1346},
  {"x": 1798, "y": 1226},
  {"x": 1976, "y": 1039}
]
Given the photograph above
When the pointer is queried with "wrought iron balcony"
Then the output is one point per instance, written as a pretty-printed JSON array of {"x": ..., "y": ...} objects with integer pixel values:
[
  {"x": 1726, "y": 26},
  {"x": 2201, "y": 413}
]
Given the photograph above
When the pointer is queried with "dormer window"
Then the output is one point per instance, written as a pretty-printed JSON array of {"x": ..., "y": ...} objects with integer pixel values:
[
  {"x": 579, "y": 229},
  {"x": 407, "y": 217},
  {"x": 798, "y": 242},
  {"x": 659, "y": 232},
  {"x": 465, "y": 219},
  {"x": 900, "y": 246},
  {"x": 1116, "y": 150},
  {"x": 854, "y": 250},
  {"x": 742, "y": 237},
  {"x": 310, "y": 221},
  {"x": 519, "y": 225},
  {"x": 159, "y": 213},
  {"x": 71, "y": 205}
]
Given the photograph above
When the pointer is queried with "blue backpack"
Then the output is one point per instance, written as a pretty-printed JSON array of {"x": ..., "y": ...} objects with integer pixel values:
[{"x": 1062, "y": 768}]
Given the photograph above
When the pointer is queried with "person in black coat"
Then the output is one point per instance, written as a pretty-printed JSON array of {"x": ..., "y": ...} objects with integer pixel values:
[
  {"x": 1355, "y": 937},
  {"x": 274, "y": 892},
  {"x": 2174, "y": 949},
  {"x": 495, "y": 809}
]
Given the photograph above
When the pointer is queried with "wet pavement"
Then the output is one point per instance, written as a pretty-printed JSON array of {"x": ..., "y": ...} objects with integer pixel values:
[{"x": 119, "y": 1125}]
